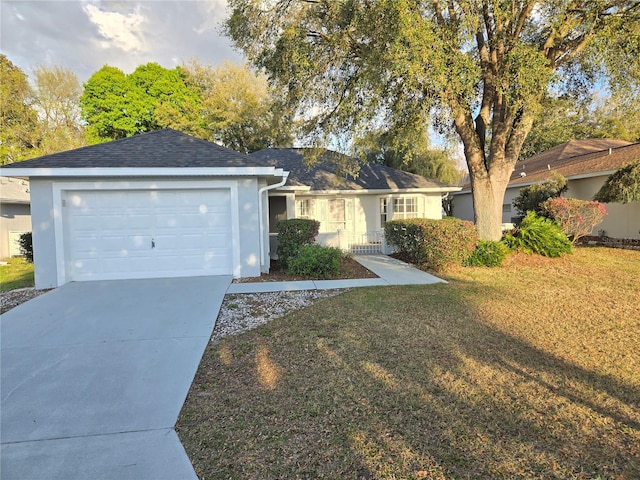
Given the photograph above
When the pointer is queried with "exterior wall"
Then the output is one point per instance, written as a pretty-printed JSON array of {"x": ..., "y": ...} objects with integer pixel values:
[
  {"x": 248, "y": 224},
  {"x": 14, "y": 217},
  {"x": 45, "y": 238},
  {"x": 463, "y": 206},
  {"x": 622, "y": 221},
  {"x": 362, "y": 215},
  {"x": 47, "y": 220}
]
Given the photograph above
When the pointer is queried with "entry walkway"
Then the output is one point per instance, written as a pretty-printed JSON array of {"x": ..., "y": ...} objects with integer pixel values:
[{"x": 389, "y": 270}]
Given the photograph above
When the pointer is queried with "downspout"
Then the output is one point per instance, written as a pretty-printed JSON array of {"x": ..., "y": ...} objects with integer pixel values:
[{"x": 260, "y": 206}]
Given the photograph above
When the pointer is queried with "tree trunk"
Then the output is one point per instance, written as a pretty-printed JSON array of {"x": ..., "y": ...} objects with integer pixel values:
[{"x": 488, "y": 195}]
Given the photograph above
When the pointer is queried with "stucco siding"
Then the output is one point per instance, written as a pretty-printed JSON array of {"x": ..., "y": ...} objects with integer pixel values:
[
  {"x": 50, "y": 249},
  {"x": 14, "y": 217},
  {"x": 43, "y": 216},
  {"x": 463, "y": 206}
]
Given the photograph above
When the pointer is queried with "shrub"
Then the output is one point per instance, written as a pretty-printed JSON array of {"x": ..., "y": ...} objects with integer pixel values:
[
  {"x": 25, "y": 242},
  {"x": 622, "y": 186},
  {"x": 488, "y": 253},
  {"x": 538, "y": 235},
  {"x": 433, "y": 243},
  {"x": 532, "y": 197},
  {"x": 576, "y": 218},
  {"x": 293, "y": 234},
  {"x": 315, "y": 261}
]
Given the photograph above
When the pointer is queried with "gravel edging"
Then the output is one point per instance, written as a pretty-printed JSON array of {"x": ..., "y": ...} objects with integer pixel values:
[
  {"x": 242, "y": 312},
  {"x": 13, "y": 298},
  {"x": 238, "y": 313}
]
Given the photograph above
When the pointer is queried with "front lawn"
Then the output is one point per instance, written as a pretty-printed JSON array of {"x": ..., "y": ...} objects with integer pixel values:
[
  {"x": 527, "y": 371},
  {"x": 18, "y": 274}
]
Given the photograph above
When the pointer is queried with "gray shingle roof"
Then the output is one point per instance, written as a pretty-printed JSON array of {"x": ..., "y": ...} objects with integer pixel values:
[
  {"x": 162, "y": 148},
  {"x": 323, "y": 175}
]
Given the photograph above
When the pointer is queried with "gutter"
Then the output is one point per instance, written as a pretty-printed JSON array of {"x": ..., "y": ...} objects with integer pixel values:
[{"x": 285, "y": 176}]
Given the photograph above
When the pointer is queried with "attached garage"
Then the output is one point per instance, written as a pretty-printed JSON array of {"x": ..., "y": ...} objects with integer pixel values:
[
  {"x": 160, "y": 204},
  {"x": 147, "y": 233}
]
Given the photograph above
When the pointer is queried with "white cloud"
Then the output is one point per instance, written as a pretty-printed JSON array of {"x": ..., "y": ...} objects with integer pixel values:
[
  {"x": 120, "y": 30},
  {"x": 213, "y": 12}
]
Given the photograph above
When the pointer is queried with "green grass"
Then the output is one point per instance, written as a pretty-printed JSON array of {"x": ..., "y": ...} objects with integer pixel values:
[
  {"x": 531, "y": 370},
  {"x": 18, "y": 274}
]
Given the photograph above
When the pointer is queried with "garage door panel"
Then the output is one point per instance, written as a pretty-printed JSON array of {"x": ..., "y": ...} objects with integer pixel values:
[{"x": 138, "y": 234}]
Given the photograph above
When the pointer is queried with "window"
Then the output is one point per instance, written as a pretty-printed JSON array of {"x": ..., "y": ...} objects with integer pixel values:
[
  {"x": 304, "y": 208},
  {"x": 383, "y": 212},
  {"x": 405, "y": 207},
  {"x": 336, "y": 215},
  {"x": 506, "y": 208}
]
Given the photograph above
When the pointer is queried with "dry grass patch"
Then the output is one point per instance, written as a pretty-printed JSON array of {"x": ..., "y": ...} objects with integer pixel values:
[{"x": 528, "y": 371}]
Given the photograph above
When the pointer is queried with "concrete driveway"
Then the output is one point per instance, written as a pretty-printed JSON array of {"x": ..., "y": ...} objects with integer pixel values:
[{"x": 93, "y": 376}]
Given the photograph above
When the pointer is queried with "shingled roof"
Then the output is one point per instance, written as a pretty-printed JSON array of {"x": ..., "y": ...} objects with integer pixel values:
[
  {"x": 159, "y": 149},
  {"x": 574, "y": 159},
  {"x": 324, "y": 174}
]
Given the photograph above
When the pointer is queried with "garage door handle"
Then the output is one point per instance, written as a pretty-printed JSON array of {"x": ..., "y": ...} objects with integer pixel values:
[{"x": 153, "y": 243}]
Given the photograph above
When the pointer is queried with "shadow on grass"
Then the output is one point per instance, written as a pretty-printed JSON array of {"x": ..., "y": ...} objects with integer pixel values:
[
  {"x": 20, "y": 280},
  {"x": 422, "y": 387}
]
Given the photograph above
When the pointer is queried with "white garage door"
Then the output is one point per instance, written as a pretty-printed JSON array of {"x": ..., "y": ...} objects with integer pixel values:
[{"x": 147, "y": 233}]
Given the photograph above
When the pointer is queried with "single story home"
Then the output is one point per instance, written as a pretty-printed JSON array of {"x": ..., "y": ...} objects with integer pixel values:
[
  {"x": 15, "y": 214},
  {"x": 165, "y": 204},
  {"x": 159, "y": 204},
  {"x": 586, "y": 164},
  {"x": 352, "y": 208}
]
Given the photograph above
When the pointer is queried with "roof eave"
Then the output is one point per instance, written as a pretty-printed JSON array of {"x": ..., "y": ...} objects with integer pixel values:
[
  {"x": 380, "y": 191},
  {"x": 143, "y": 172}
]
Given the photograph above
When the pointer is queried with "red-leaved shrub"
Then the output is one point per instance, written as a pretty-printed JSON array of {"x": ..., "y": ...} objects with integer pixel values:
[{"x": 576, "y": 218}]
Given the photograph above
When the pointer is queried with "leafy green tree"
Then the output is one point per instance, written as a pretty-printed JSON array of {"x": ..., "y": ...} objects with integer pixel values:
[
  {"x": 116, "y": 105},
  {"x": 411, "y": 152},
  {"x": 239, "y": 110},
  {"x": 109, "y": 107},
  {"x": 566, "y": 118},
  {"x": 166, "y": 99},
  {"x": 483, "y": 67},
  {"x": 56, "y": 96},
  {"x": 532, "y": 197},
  {"x": 622, "y": 186},
  {"x": 18, "y": 118}
]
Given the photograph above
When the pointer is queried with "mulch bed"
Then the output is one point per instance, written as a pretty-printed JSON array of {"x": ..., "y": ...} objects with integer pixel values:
[{"x": 349, "y": 268}]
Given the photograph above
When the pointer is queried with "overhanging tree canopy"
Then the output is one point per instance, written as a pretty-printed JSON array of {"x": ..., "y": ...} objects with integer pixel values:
[{"x": 482, "y": 66}]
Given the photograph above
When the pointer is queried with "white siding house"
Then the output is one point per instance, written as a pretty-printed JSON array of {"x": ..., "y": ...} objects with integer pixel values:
[{"x": 351, "y": 208}]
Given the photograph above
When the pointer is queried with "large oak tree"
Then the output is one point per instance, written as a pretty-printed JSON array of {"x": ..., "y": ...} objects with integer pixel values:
[{"x": 482, "y": 66}]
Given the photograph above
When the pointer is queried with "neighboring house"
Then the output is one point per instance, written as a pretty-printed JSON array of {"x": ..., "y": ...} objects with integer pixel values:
[
  {"x": 586, "y": 164},
  {"x": 15, "y": 214},
  {"x": 159, "y": 204},
  {"x": 352, "y": 209}
]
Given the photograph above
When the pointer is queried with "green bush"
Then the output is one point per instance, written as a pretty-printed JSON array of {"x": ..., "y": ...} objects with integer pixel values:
[
  {"x": 538, "y": 235},
  {"x": 292, "y": 235},
  {"x": 532, "y": 197},
  {"x": 25, "y": 242},
  {"x": 315, "y": 261},
  {"x": 433, "y": 243},
  {"x": 488, "y": 253}
]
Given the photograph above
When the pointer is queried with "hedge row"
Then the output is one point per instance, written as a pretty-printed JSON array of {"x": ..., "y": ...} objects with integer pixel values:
[{"x": 433, "y": 243}]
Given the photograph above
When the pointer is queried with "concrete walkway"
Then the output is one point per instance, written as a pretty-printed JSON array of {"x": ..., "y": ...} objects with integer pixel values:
[
  {"x": 94, "y": 375},
  {"x": 389, "y": 270}
]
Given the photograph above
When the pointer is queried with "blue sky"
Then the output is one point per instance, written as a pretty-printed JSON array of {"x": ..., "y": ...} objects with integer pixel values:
[{"x": 85, "y": 35}]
